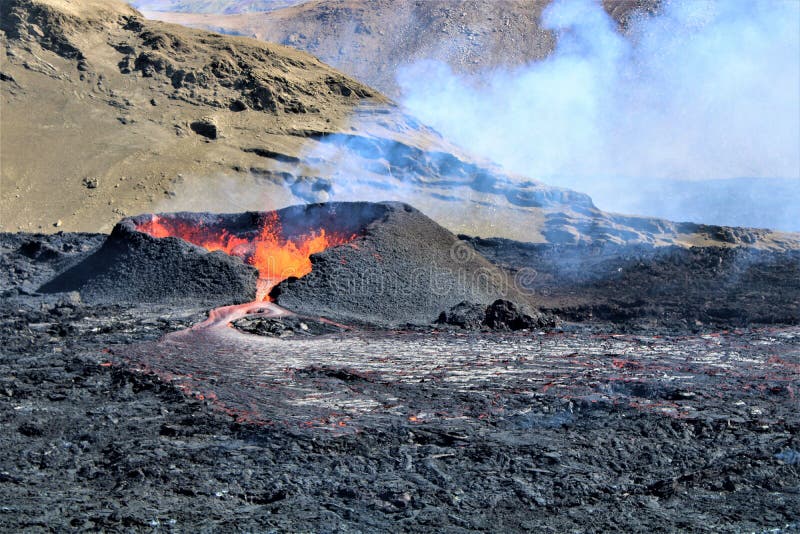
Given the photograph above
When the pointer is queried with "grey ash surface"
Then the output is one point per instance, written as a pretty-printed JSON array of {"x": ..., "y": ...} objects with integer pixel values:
[{"x": 88, "y": 446}]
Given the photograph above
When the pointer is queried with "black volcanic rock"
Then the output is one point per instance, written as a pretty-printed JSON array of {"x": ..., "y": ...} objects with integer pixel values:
[
  {"x": 466, "y": 315},
  {"x": 292, "y": 325},
  {"x": 499, "y": 315},
  {"x": 404, "y": 268},
  {"x": 504, "y": 315},
  {"x": 134, "y": 267}
]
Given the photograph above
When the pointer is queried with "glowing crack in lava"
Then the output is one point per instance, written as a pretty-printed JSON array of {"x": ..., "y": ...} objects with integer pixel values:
[{"x": 276, "y": 257}]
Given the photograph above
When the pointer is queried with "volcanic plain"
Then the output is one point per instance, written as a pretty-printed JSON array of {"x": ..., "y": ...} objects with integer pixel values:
[
  {"x": 474, "y": 351},
  {"x": 591, "y": 389}
]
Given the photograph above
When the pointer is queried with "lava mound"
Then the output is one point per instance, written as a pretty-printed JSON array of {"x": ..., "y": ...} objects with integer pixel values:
[
  {"x": 378, "y": 263},
  {"x": 403, "y": 268}
]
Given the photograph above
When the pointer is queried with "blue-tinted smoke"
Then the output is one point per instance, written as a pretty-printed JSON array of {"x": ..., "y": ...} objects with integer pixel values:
[{"x": 704, "y": 90}]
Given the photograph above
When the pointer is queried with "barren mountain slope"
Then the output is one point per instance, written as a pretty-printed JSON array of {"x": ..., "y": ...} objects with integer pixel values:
[
  {"x": 106, "y": 114},
  {"x": 102, "y": 110},
  {"x": 213, "y": 6},
  {"x": 369, "y": 39}
]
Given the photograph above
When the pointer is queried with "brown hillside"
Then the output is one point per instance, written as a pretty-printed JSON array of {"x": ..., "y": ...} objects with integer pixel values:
[
  {"x": 369, "y": 39},
  {"x": 100, "y": 108},
  {"x": 107, "y": 114}
]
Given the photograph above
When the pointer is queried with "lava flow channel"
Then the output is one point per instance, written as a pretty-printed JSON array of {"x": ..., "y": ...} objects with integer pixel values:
[{"x": 276, "y": 257}]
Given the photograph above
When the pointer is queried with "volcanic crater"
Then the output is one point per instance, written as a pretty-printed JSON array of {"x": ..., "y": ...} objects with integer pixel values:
[{"x": 382, "y": 264}]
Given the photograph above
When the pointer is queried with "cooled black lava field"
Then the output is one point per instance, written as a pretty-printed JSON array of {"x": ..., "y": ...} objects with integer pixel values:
[{"x": 563, "y": 388}]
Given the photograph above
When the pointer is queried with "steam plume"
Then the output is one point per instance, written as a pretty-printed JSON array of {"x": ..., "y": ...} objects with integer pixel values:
[{"x": 705, "y": 90}]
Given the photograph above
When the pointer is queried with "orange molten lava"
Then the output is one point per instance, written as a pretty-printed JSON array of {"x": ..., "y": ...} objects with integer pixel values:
[{"x": 275, "y": 257}]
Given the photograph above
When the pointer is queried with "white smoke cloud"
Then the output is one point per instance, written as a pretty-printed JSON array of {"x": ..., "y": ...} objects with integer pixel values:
[{"x": 704, "y": 90}]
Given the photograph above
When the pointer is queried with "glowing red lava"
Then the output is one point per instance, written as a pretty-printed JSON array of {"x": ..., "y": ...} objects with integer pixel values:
[{"x": 276, "y": 257}]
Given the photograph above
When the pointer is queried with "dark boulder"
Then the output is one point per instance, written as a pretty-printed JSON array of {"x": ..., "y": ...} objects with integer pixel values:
[
  {"x": 205, "y": 127},
  {"x": 499, "y": 315},
  {"x": 466, "y": 315},
  {"x": 505, "y": 315}
]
